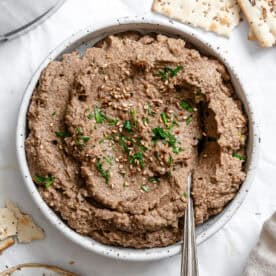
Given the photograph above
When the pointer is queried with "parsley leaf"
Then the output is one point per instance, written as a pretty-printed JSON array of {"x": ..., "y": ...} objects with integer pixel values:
[
  {"x": 186, "y": 106},
  {"x": 170, "y": 161},
  {"x": 169, "y": 72},
  {"x": 137, "y": 156},
  {"x": 128, "y": 126},
  {"x": 160, "y": 134},
  {"x": 62, "y": 134},
  {"x": 164, "y": 118},
  {"x": 145, "y": 188},
  {"x": 238, "y": 156},
  {"x": 99, "y": 116},
  {"x": 188, "y": 120},
  {"x": 104, "y": 173},
  {"x": 47, "y": 181},
  {"x": 154, "y": 179},
  {"x": 90, "y": 116}
]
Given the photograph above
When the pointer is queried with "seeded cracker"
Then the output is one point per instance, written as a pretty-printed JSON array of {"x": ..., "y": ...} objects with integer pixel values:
[
  {"x": 220, "y": 17},
  {"x": 261, "y": 16},
  {"x": 6, "y": 244},
  {"x": 27, "y": 230},
  {"x": 8, "y": 224}
]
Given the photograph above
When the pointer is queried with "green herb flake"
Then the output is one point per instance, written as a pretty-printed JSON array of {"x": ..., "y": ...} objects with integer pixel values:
[
  {"x": 145, "y": 188},
  {"x": 85, "y": 138},
  {"x": 54, "y": 113},
  {"x": 47, "y": 181},
  {"x": 90, "y": 116},
  {"x": 108, "y": 159},
  {"x": 188, "y": 120},
  {"x": 169, "y": 72},
  {"x": 238, "y": 156},
  {"x": 185, "y": 195},
  {"x": 79, "y": 131},
  {"x": 149, "y": 110},
  {"x": 137, "y": 156},
  {"x": 112, "y": 122},
  {"x": 170, "y": 160},
  {"x": 99, "y": 116},
  {"x": 160, "y": 134},
  {"x": 128, "y": 126},
  {"x": 186, "y": 106},
  {"x": 104, "y": 173},
  {"x": 154, "y": 179},
  {"x": 133, "y": 114},
  {"x": 62, "y": 134},
  {"x": 164, "y": 118},
  {"x": 123, "y": 144}
]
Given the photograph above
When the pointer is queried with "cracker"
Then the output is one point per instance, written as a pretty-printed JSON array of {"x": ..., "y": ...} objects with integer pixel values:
[
  {"x": 27, "y": 230},
  {"x": 8, "y": 223},
  {"x": 6, "y": 244},
  {"x": 261, "y": 16},
  {"x": 220, "y": 17},
  {"x": 251, "y": 35}
]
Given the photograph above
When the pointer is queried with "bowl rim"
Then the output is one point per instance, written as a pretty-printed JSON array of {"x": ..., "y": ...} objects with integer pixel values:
[{"x": 87, "y": 242}]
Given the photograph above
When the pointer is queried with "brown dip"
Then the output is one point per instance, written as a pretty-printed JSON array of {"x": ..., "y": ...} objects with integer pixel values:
[{"x": 114, "y": 134}]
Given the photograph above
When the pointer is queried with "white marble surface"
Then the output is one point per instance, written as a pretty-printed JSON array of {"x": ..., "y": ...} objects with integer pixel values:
[{"x": 223, "y": 254}]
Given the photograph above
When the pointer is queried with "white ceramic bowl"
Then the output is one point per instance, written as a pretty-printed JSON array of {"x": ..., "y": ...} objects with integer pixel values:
[{"x": 87, "y": 38}]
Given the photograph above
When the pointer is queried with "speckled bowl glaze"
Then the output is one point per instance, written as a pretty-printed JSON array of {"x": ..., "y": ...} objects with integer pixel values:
[{"x": 87, "y": 38}]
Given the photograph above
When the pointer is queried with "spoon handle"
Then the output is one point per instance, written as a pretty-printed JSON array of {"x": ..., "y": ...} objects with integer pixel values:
[{"x": 189, "y": 264}]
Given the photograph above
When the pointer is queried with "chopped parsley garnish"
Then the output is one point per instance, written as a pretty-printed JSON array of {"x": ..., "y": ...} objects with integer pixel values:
[
  {"x": 186, "y": 106},
  {"x": 137, "y": 156},
  {"x": 104, "y": 173},
  {"x": 47, "y": 181},
  {"x": 154, "y": 179},
  {"x": 54, "y": 113},
  {"x": 164, "y": 118},
  {"x": 185, "y": 195},
  {"x": 149, "y": 110},
  {"x": 145, "y": 188},
  {"x": 128, "y": 126},
  {"x": 108, "y": 159},
  {"x": 81, "y": 139},
  {"x": 79, "y": 131},
  {"x": 90, "y": 116},
  {"x": 112, "y": 122},
  {"x": 62, "y": 134},
  {"x": 99, "y": 116},
  {"x": 123, "y": 144},
  {"x": 188, "y": 120},
  {"x": 85, "y": 138},
  {"x": 170, "y": 161},
  {"x": 238, "y": 156},
  {"x": 169, "y": 72},
  {"x": 160, "y": 133},
  {"x": 133, "y": 114}
]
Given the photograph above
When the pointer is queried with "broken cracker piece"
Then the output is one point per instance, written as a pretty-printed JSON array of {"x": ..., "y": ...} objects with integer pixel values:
[
  {"x": 6, "y": 244},
  {"x": 220, "y": 17},
  {"x": 251, "y": 35},
  {"x": 27, "y": 230},
  {"x": 261, "y": 16},
  {"x": 8, "y": 223}
]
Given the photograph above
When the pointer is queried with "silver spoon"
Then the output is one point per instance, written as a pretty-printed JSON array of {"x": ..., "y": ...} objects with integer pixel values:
[{"x": 189, "y": 263}]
